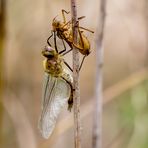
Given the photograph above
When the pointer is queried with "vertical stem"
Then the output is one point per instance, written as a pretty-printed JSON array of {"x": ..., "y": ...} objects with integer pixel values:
[
  {"x": 97, "y": 127},
  {"x": 2, "y": 36},
  {"x": 76, "y": 92}
]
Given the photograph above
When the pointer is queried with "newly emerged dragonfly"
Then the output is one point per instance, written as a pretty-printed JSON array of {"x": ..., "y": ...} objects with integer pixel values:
[{"x": 57, "y": 90}]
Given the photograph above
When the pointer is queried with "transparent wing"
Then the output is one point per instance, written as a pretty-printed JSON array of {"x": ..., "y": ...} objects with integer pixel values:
[{"x": 56, "y": 92}]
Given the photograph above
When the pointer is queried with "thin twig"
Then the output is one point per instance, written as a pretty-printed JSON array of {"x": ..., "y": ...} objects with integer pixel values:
[
  {"x": 76, "y": 92},
  {"x": 2, "y": 42},
  {"x": 97, "y": 127}
]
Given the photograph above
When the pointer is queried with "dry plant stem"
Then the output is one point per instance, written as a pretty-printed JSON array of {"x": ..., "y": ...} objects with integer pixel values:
[
  {"x": 76, "y": 92},
  {"x": 2, "y": 39},
  {"x": 2, "y": 34},
  {"x": 97, "y": 127}
]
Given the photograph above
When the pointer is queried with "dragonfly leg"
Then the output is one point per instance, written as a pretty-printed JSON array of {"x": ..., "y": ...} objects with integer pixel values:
[
  {"x": 55, "y": 42},
  {"x": 64, "y": 47},
  {"x": 68, "y": 66},
  {"x": 82, "y": 62},
  {"x": 49, "y": 39},
  {"x": 64, "y": 52},
  {"x": 67, "y": 52}
]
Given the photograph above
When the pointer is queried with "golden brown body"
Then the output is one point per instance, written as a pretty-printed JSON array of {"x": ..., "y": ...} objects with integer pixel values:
[{"x": 64, "y": 31}]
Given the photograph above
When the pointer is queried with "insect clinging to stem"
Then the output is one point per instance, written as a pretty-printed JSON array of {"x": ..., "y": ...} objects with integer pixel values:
[
  {"x": 64, "y": 31},
  {"x": 57, "y": 90}
]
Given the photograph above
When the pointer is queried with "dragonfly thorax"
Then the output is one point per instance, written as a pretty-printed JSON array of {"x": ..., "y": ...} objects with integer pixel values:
[{"x": 54, "y": 66}]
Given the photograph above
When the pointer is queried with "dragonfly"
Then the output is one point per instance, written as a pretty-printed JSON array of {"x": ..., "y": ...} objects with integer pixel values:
[{"x": 57, "y": 90}]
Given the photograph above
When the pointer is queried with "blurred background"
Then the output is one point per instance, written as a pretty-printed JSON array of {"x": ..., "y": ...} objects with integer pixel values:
[{"x": 25, "y": 26}]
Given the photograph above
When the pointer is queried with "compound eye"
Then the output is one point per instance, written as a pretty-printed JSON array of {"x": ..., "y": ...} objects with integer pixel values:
[
  {"x": 48, "y": 48},
  {"x": 49, "y": 56},
  {"x": 48, "y": 52}
]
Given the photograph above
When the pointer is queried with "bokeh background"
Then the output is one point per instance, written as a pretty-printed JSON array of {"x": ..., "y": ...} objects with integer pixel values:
[{"x": 24, "y": 28}]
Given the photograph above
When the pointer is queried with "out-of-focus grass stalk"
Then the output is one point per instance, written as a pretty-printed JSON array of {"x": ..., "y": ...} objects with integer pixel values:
[
  {"x": 97, "y": 127},
  {"x": 76, "y": 92},
  {"x": 2, "y": 35}
]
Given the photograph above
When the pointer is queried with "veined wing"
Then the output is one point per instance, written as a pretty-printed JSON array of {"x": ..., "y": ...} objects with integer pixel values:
[{"x": 56, "y": 92}]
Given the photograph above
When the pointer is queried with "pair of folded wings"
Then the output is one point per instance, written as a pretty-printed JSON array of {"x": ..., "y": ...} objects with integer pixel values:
[{"x": 56, "y": 92}]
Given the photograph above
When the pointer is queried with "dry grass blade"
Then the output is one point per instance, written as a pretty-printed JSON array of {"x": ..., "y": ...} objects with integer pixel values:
[{"x": 97, "y": 127}]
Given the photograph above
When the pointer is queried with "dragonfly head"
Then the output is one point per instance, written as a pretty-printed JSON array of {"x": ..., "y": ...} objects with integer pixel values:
[{"x": 49, "y": 52}]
